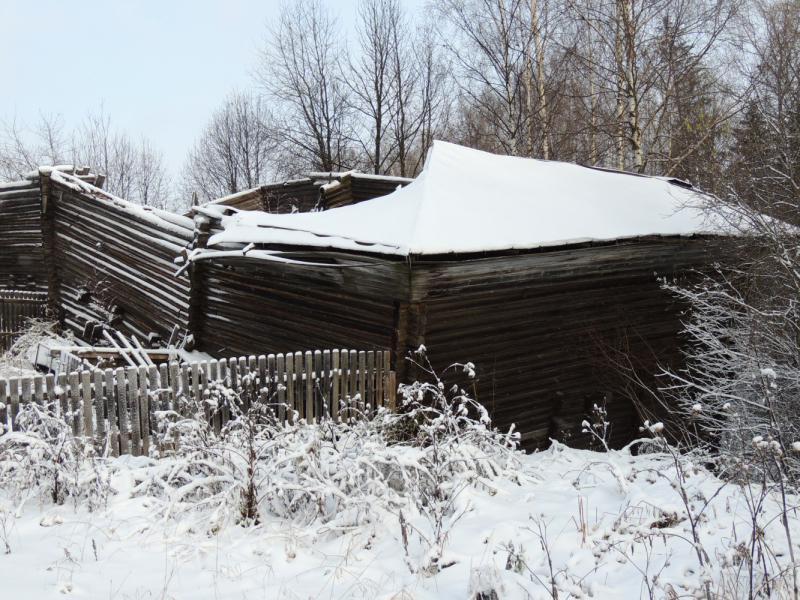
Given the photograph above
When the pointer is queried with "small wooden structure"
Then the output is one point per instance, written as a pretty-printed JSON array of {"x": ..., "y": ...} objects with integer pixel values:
[{"x": 15, "y": 309}]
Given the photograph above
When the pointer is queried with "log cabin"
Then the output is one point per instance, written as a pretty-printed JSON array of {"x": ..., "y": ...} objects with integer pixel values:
[{"x": 544, "y": 275}]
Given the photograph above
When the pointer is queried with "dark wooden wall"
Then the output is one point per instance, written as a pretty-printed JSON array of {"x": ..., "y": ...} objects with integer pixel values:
[
  {"x": 111, "y": 264},
  {"x": 317, "y": 193},
  {"x": 22, "y": 265},
  {"x": 253, "y": 304},
  {"x": 544, "y": 329}
]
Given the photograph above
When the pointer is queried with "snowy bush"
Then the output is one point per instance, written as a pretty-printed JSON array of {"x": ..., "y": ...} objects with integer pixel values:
[
  {"x": 333, "y": 474},
  {"x": 44, "y": 457}
]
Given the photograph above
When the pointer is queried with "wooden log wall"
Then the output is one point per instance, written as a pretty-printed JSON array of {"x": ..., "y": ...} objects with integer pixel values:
[
  {"x": 542, "y": 330},
  {"x": 114, "y": 263},
  {"x": 251, "y": 303},
  {"x": 321, "y": 191},
  {"x": 118, "y": 406},
  {"x": 22, "y": 263},
  {"x": 15, "y": 309},
  {"x": 356, "y": 187}
]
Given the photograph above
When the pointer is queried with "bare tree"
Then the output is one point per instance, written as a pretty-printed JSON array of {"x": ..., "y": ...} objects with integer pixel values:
[
  {"x": 23, "y": 149},
  {"x": 236, "y": 151},
  {"x": 373, "y": 79},
  {"x": 300, "y": 69},
  {"x": 647, "y": 80},
  {"x": 434, "y": 92},
  {"x": 135, "y": 172},
  {"x": 489, "y": 41}
]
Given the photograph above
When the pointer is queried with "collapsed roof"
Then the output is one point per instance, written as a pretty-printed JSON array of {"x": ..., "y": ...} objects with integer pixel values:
[{"x": 468, "y": 201}]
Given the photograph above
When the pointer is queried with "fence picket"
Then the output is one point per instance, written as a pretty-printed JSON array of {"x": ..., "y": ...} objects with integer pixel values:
[
  {"x": 344, "y": 408},
  {"x": 38, "y": 392},
  {"x": 309, "y": 380},
  {"x": 98, "y": 405},
  {"x": 263, "y": 385},
  {"x": 26, "y": 390},
  {"x": 280, "y": 387},
  {"x": 86, "y": 396},
  {"x": 134, "y": 422},
  {"x": 61, "y": 392},
  {"x": 378, "y": 379},
  {"x": 334, "y": 400},
  {"x": 369, "y": 390},
  {"x": 111, "y": 411},
  {"x": 3, "y": 407},
  {"x": 326, "y": 384},
  {"x": 74, "y": 403}
]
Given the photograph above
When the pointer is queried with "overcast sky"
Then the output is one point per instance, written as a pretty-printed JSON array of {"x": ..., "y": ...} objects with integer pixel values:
[{"x": 158, "y": 67}]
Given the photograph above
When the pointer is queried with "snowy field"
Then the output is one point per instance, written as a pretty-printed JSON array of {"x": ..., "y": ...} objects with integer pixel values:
[
  {"x": 603, "y": 520},
  {"x": 430, "y": 504}
]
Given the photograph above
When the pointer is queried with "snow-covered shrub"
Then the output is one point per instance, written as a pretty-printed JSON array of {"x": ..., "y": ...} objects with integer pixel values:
[
  {"x": 340, "y": 475},
  {"x": 44, "y": 457}
]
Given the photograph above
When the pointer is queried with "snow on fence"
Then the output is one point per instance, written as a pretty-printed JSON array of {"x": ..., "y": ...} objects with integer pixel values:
[
  {"x": 119, "y": 405},
  {"x": 16, "y": 307}
]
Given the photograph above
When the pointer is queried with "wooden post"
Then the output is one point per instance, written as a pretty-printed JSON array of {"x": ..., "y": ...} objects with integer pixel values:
[
  {"x": 3, "y": 407},
  {"x": 334, "y": 398},
  {"x": 26, "y": 390},
  {"x": 153, "y": 401},
  {"x": 86, "y": 388},
  {"x": 353, "y": 385},
  {"x": 74, "y": 402},
  {"x": 144, "y": 408},
  {"x": 392, "y": 391},
  {"x": 316, "y": 385},
  {"x": 280, "y": 386},
  {"x": 386, "y": 382},
  {"x": 186, "y": 392},
  {"x": 298, "y": 385},
  {"x": 38, "y": 393},
  {"x": 344, "y": 409},
  {"x": 223, "y": 377},
  {"x": 50, "y": 383},
  {"x": 200, "y": 377},
  {"x": 213, "y": 376},
  {"x": 271, "y": 378},
  {"x": 263, "y": 384},
  {"x": 133, "y": 402},
  {"x": 379, "y": 379},
  {"x": 163, "y": 374},
  {"x": 62, "y": 397},
  {"x": 252, "y": 369},
  {"x": 98, "y": 406},
  {"x": 174, "y": 375},
  {"x": 369, "y": 401},
  {"x": 325, "y": 382},
  {"x": 113, "y": 425},
  {"x": 309, "y": 387},
  {"x": 122, "y": 408},
  {"x": 362, "y": 383},
  {"x": 290, "y": 399}
]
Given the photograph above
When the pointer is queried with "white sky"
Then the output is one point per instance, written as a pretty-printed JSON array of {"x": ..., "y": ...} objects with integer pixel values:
[{"x": 159, "y": 67}]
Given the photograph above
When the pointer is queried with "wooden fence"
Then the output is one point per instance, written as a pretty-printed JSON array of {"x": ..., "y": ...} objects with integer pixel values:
[
  {"x": 16, "y": 307},
  {"x": 118, "y": 406}
]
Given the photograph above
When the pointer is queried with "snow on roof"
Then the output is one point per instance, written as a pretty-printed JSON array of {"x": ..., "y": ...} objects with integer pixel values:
[{"x": 466, "y": 201}]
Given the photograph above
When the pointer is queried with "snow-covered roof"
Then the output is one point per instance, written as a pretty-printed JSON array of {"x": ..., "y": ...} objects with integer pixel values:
[{"x": 467, "y": 201}]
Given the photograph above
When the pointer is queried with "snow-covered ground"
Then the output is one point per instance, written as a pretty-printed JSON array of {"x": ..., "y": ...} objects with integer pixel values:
[
  {"x": 428, "y": 504},
  {"x": 605, "y": 520}
]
